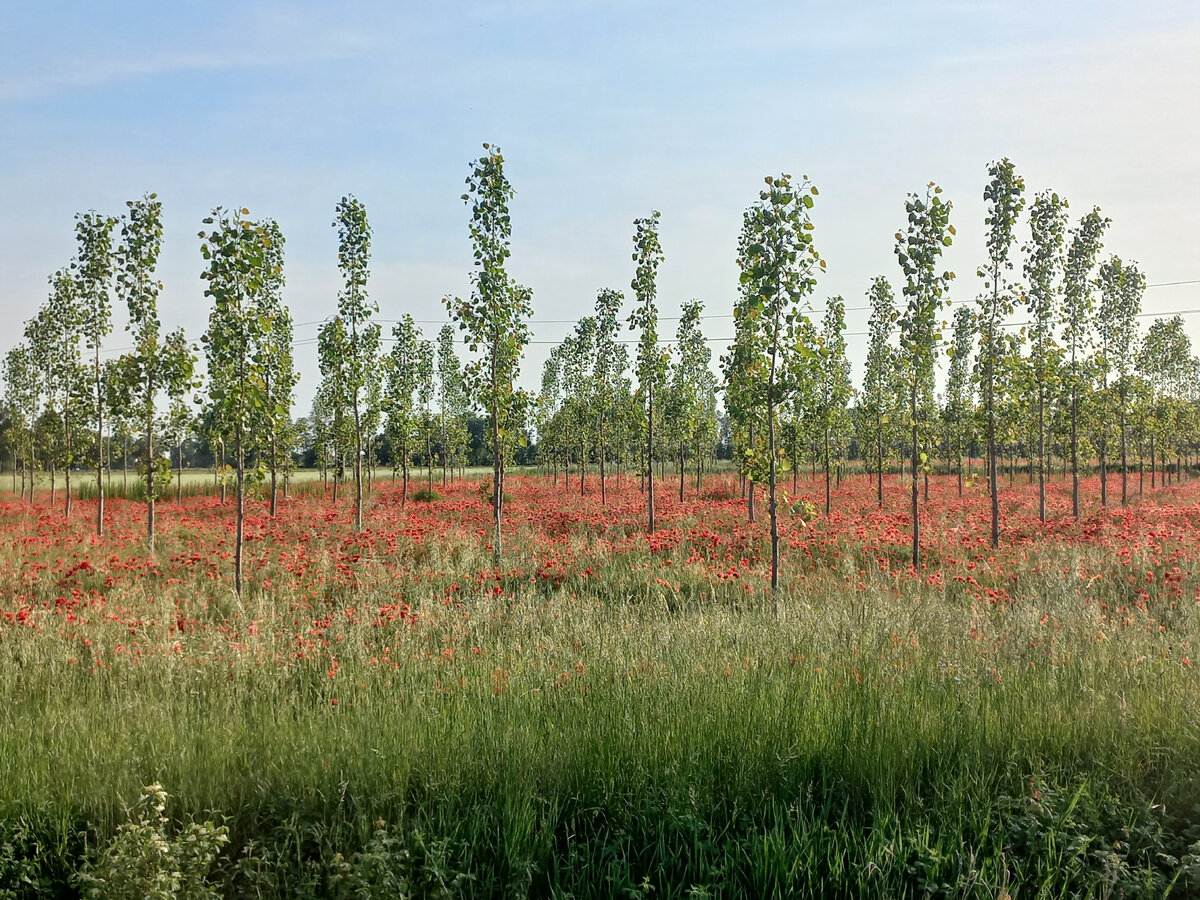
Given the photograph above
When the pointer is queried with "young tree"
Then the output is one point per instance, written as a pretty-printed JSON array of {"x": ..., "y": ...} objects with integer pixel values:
[
  {"x": 1044, "y": 262},
  {"x": 833, "y": 389},
  {"x": 743, "y": 367},
  {"x": 237, "y": 251},
  {"x": 156, "y": 364},
  {"x": 1004, "y": 193},
  {"x": 1164, "y": 360},
  {"x": 426, "y": 419},
  {"x": 53, "y": 339},
  {"x": 179, "y": 424},
  {"x": 279, "y": 368},
  {"x": 611, "y": 363},
  {"x": 452, "y": 401},
  {"x": 1078, "y": 305},
  {"x": 577, "y": 355},
  {"x": 878, "y": 401},
  {"x": 918, "y": 250},
  {"x": 94, "y": 265},
  {"x": 361, "y": 341},
  {"x": 21, "y": 383},
  {"x": 402, "y": 368},
  {"x": 651, "y": 362},
  {"x": 1121, "y": 289},
  {"x": 778, "y": 263},
  {"x": 693, "y": 389},
  {"x": 959, "y": 392},
  {"x": 495, "y": 319}
]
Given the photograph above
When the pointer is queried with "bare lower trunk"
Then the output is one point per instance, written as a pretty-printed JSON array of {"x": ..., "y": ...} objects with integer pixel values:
[
  {"x": 240, "y": 528},
  {"x": 1042, "y": 457},
  {"x": 916, "y": 512},
  {"x": 681, "y": 469},
  {"x": 274, "y": 473},
  {"x": 650, "y": 458}
]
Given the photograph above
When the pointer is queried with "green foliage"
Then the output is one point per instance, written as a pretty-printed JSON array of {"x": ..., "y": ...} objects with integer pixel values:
[
  {"x": 494, "y": 318},
  {"x": 918, "y": 250},
  {"x": 241, "y": 275},
  {"x": 145, "y": 861}
]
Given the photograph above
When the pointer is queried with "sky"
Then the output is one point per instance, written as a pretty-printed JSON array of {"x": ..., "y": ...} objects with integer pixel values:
[{"x": 604, "y": 111}]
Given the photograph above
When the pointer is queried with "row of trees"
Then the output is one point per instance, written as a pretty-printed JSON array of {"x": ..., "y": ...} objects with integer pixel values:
[{"x": 1074, "y": 382}]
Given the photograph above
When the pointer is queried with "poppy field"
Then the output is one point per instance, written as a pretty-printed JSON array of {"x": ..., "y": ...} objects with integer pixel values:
[{"x": 612, "y": 713}]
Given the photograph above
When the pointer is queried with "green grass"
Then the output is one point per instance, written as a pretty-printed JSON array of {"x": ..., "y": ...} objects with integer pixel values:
[
  {"x": 646, "y": 732},
  {"x": 605, "y": 739}
]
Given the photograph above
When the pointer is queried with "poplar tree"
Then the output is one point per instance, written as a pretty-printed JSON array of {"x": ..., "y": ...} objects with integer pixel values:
[
  {"x": 651, "y": 362},
  {"x": 1164, "y": 361},
  {"x": 1121, "y": 289},
  {"x": 21, "y": 394},
  {"x": 53, "y": 338},
  {"x": 918, "y": 250},
  {"x": 157, "y": 363},
  {"x": 833, "y": 389},
  {"x": 959, "y": 393},
  {"x": 360, "y": 342},
  {"x": 94, "y": 267},
  {"x": 426, "y": 420},
  {"x": 1078, "y": 306},
  {"x": 878, "y": 398},
  {"x": 778, "y": 265},
  {"x": 1043, "y": 264},
  {"x": 452, "y": 401},
  {"x": 402, "y": 365},
  {"x": 495, "y": 319},
  {"x": 693, "y": 389},
  {"x": 1004, "y": 193},
  {"x": 611, "y": 362},
  {"x": 279, "y": 367},
  {"x": 237, "y": 251}
]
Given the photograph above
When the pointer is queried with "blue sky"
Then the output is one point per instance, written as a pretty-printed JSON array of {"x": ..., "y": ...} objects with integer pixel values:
[{"x": 604, "y": 111}]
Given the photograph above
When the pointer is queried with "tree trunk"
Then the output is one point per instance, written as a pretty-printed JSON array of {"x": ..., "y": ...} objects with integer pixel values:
[
  {"x": 916, "y": 511},
  {"x": 150, "y": 486},
  {"x": 1124, "y": 455},
  {"x": 358, "y": 452},
  {"x": 1075, "y": 451},
  {"x": 650, "y": 454},
  {"x": 879, "y": 461},
  {"x": 1042, "y": 455},
  {"x": 99, "y": 449},
  {"x": 828, "y": 488},
  {"x": 274, "y": 472},
  {"x": 240, "y": 529},
  {"x": 681, "y": 469}
]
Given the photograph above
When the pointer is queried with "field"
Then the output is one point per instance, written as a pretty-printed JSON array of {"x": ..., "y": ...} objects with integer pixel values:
[{"x": 612, "y": 713}]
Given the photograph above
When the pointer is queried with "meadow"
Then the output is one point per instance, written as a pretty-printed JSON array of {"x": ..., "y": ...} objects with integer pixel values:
[{"x": 611, "y": 713}]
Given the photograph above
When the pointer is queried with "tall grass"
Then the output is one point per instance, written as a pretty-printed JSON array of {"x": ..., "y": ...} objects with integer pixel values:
[{"x": 614, "y": 734}]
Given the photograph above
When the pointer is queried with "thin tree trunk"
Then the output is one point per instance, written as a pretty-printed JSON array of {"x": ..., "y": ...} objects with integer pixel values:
[
  {"x": 1042, "y": 455},
  {"x": 150, "y": 486},
  {"x": 828, "y": 488},
  {"x": 99, "y": 448},
  {"x": 681, "y": 469},
  {"x": 879, "y": 461},
  {"x": 916, "y": 511},
  {"x": 1124, "y": 455},
  {"x": 358, "y": 484},
  {"x": 274, "y": 471},
  {"x": 650, "y": 454},
  {"x": 750, "y": 482},
  {"x": 1074, "y": 450},
  {"x": 240, "y": 529}
]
